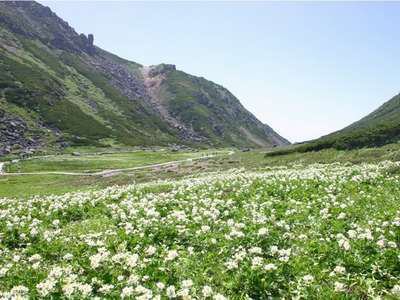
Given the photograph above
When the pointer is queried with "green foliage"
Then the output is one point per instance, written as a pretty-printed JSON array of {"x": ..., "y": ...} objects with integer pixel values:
[
  {"x": 70, "y": 118},
  {"x": 45, "y": 56},
  {"x": 298, "y": 232}
]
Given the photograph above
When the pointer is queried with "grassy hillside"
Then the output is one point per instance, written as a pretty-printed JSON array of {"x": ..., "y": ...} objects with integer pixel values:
[
  {"x": 57, "y": 89},
  {"x": 213, "y": 112},
  {"x": 379, "y": 128}
]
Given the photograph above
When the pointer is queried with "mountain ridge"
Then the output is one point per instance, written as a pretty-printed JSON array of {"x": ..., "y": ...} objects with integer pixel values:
[
  {"x": 378, "y": 128},
  {"x": 58, "y": 89}
]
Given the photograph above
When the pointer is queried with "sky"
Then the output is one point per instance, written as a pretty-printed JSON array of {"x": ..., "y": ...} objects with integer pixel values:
[{"x": 304, "y": 68}]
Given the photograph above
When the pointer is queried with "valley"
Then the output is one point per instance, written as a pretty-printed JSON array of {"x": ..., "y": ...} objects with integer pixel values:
[
  {"x": 209, "y": 228},
  {"x": 127, "y": 181}
]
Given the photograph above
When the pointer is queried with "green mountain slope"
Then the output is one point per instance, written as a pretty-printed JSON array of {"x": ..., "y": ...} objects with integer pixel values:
[
  {"x": 379, "y": 128},
  {"x": 376, "y": 129},
  {"x": 58, "y": 89}
]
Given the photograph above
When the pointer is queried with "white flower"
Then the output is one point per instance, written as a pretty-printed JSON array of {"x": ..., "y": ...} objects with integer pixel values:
[
  {"x": 127, "y": 292},
  {"x": 19, "y": 292},
  {"x": 339, "y": 270},
  {"x": 352, "y": 234},
  {"x": 184, "y": 293},
  {"x": 3, "y": 271},
  {"x": 308, "y": 279},
  {"x": 262, "y": 231},
  {"x": 171, "y": 292},
  {"x": 381, "y": 243},
  {"x": 205, "y": 228},
  {"x": 171, "y": 255},
  {"x": 68, "y": 257},
  {"x": 207, "y": 291},
  {"x": 85, "y": 289},
  {"x": 256, "y": 262},
  {"x": 274, "y": 250},
  {"x": 133, "y": 279},
  {"x": 270, "y": 267},
  {"x": 344, "y": 243},
  {"x": 255, "y": 250},
  {"x": 44, "y": 288},
  {"x": 395, "y": 290},
  {"x": 340, "y": 287},
  {"x": 132, "y": 260},
  {"x": 160, "y": 285},
  {"x": 151, "y": 250},
  {"x": 35, "y": 258},
  {"x": 187, "y": 283},
  {"x": 106, "y": 288},
  {"x": 231, "y": 264},
  {"x": 95, "y": 260},
  {"x": 302, "y": 237},
  {"x": 69, "y": 289},
  {"x": 219, "y": 297}
]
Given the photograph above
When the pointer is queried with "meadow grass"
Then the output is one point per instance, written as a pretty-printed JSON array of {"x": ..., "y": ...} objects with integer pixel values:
[
  {"x": 97, "y": 162},
  {"x": 327, "y": 231},
  {"x": 29, "y": 185},
  {"x": 91, "y": 161}
]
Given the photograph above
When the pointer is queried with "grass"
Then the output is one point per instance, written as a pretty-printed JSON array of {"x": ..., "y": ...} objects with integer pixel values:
[
  {"x": 29, "y": 185},
  {"x": 314, "y": 232},
  {"x": 97, "y": 162}
]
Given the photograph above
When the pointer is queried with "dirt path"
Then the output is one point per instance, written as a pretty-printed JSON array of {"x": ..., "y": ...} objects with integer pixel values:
[{"x": 106, "y": 173}]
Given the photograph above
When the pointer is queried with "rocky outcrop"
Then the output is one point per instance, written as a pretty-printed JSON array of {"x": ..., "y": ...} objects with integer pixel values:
[
  {"x": 161, "y": 69},
  {"x": 87, "y": 43},
  {"x": 128, "y": 83},
  {"x": 13, "y": 135},
  {"x": 154, "y": 77},
  {"x": 39, "y": 22}
]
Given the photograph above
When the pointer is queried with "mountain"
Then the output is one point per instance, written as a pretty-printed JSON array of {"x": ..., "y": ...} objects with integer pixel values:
[
  {"x": 380, "y": 127},
  {"x": 58, "y": 89}
]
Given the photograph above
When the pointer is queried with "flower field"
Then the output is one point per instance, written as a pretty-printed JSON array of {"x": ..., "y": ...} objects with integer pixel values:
[{"x": 321, "y": 231}]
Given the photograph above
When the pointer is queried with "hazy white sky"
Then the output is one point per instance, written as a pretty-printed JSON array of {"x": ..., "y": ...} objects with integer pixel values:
[{"x": 306, "y": 69}]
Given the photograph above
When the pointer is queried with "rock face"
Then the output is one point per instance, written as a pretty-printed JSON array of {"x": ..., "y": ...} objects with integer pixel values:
[
  {"x": 90, "y": 47},
  {"x": 161, "y": 69},
  {"x": 13, "y": 135},
  {"x": 33, "y": 20},
  {"x": 69, "y": 92}
]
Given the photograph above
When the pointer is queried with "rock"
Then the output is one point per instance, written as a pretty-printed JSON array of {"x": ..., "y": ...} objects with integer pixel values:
[
  {"x": 90, "y": 39},
  {"x": 75, "y": 154},
  {"x": 91, "y": 49},
  {"x": 14, "y": 134},
  {"x": 161, "y": 69},
  {"x": 64, "y": 144}
]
